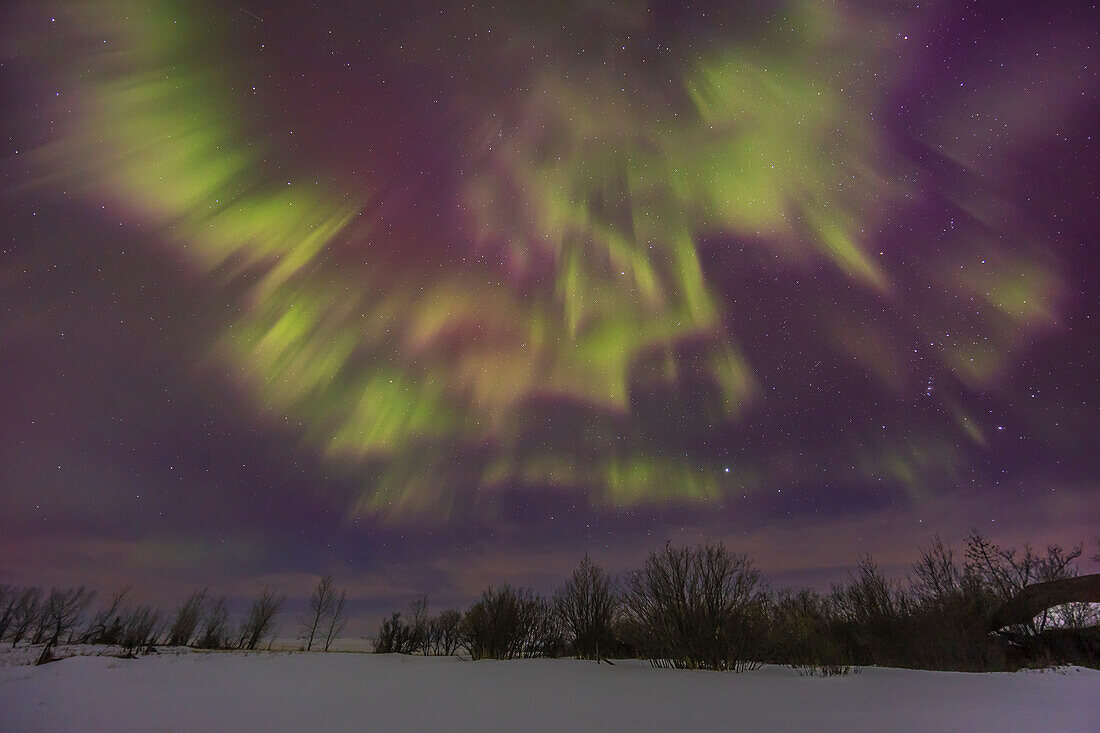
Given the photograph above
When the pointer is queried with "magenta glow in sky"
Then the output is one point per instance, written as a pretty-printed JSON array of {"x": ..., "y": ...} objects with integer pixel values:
[{"x": 478, "y": 289}]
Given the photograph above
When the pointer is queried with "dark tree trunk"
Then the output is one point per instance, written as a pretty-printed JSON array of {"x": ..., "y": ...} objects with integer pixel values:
[{"x": 1038, "y": 597}]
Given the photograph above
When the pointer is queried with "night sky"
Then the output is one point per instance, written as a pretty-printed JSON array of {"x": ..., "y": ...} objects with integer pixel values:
[{"x": 433, "y": 295}]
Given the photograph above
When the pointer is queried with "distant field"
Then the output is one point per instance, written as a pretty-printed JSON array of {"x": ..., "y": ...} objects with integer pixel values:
[{"x": 266, "y": 691}]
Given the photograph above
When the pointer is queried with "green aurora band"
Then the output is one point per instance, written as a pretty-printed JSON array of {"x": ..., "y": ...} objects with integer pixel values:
[{"x": 444, "y": 386}]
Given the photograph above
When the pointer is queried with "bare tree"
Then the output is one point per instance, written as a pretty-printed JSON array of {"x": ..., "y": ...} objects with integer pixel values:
[
  {"x": 938, "y": 575},
  {"x": 61, "y": 613},
  {"x": 586, "y": 607},
  {"x": 336, "y": 620},
  {"x": 106, "y": 626},
  {"x": 139, "y": 629},
  {"x": 260, "y": 619},
  {"x": 1074, "y": 594},
  {"x": 546, "y": 638},
  {"x": 446, "y": 632},
  {"x": 188, "y": 616},
  {"x": 870, "y": 597},
  {"x": 396, "y": 636},
  {"x": 42, "y": 626},
  {"x": 320, "y": 606},
  {"x": 803, "y": 634},
  {"x": 509, "y": 623},
  {"x": 418, "y": 612},
  {"x": 1009, "y": 572},
  {"x": 28, "y": 608},
  {"x": 989, "y": 562},
  {"x": 695, "y": 607},
  {"x": 215, "y": 627},
  {"x": 9, "y": 598}
]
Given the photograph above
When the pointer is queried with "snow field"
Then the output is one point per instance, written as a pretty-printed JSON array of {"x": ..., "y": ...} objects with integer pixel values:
[{"x": 343, "y": 691}]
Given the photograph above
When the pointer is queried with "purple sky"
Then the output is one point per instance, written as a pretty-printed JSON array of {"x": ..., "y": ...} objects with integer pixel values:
[{"x": 138, "y": 449}]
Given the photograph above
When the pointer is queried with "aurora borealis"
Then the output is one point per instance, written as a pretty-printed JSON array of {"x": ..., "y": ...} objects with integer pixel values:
[{"x": 301, "y": 288}]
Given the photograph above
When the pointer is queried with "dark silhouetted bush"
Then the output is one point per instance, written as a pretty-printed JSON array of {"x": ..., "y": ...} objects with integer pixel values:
[
  {"x": 445, "y": 631},
  {"x": 106, "y": 626},
  {"x": 396, "y": 636},
  {"x": 215, "y": 626},
  {"x": 25, "y": 612},
  {"x": 804, "y": 631},
  {"x": 586, "y": 608},
  {"x": 9, "y": 596},
  {"x": 60, "y": 614},
  {"x": 260, "y": 620},
  {"x": 871, "y": 610},
  {"x": 188, "y": 616},
  {"x": 140, "y": 629},
  {"x": 697, "y": 608},
  {"x": 509, "y": 623}
]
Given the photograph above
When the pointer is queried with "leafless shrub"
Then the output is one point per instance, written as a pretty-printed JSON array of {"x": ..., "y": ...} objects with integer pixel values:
[
  {"x": 805, "y": 632},
  {"x": 948, "y": 611},
  {"x": 25, "y": 613},
  {"x": 139, "y": 629},
  {"x": 869, "y": 598},
  {"x": 106, "y": 625},
  {"x": 186, "y": 623},
  {"x": 260, "y": 620},
  {"x": 871, "y": 608},
  {"x": 586, "y": 607},
  {"x": 396, "y": 636},
  {"x": 1008, "y": 571},
  {"x": 547, "y": 638},
  {"x": 13, "y": 600},
  {"x": 8, "y": 594},
  {"x": 1075, "y": 615},
  {"x": 411, "y": 635},
  {"x": 937, "y": 575},
  {"x": 418, "y": 613},
  {"x": 696, "y": 608},
  {"x": 430, "y": 643},
  {"x": 825, "y": 670},
  {"x": 61, "y": 613},
  {"x": 446, "y": 632},
  {"x": 508, "y": 624},
  {"x": 215, "y": 626}
]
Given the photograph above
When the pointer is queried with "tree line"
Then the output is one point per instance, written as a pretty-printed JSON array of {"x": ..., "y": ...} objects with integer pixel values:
[
  {"x": 202, "y": 621},
  {"x": 695, "y": 607},
  {"x": 27, "y": 614},
  {"x": 705, "y": 607}
]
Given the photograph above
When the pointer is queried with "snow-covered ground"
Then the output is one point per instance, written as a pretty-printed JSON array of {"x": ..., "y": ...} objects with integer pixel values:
[{"x": 276, "y": 691}]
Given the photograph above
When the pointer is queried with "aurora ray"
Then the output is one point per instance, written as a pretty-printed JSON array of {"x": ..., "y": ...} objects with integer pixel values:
[{"x": 575, "y": 327}]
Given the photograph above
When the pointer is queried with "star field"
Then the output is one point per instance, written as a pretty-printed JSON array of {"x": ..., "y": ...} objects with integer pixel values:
[{"x": 470, "y": 289}]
